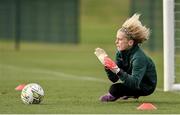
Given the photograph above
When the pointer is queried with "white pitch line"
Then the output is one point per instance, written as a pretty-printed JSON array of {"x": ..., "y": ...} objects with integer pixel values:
[
  {"x": 61, "y": 74},
  {"x": 55, "y": 73}
]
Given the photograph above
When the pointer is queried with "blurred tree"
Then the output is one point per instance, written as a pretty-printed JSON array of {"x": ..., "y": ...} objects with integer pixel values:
[
  {"x": 54, "y": 21},
  {"x": 151, "y": 11}
]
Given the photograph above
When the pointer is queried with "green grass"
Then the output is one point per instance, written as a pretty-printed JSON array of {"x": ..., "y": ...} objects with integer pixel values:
[
  {"x": 72, "y": 78},
  {"x": 100, "y": 19}
]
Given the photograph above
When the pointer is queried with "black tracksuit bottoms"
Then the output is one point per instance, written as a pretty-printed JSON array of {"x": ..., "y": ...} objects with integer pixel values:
[{"x": 120, "y": 90}]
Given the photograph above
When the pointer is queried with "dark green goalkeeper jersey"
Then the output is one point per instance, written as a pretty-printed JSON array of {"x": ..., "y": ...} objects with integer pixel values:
[{"x": 137, "y": 70}]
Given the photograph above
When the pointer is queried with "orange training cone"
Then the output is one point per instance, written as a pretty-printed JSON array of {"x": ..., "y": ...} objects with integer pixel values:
[
  {"x": 146, "y": 106},
  {"x": 20, "y": 87}
]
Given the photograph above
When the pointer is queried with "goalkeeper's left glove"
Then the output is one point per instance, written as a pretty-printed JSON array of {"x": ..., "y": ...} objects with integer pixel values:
[
  {"x": 110, "y": 64},
  {"x": 106, "y": 61}
]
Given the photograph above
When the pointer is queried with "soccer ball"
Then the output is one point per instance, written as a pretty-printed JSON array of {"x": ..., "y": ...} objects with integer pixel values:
[{"x": 32, "y": 94}]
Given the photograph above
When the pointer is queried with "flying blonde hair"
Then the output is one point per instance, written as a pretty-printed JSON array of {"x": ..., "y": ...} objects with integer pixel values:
[{"x": 133, "y": 28}]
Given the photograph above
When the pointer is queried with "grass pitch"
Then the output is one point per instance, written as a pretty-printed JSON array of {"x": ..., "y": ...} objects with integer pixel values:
[{"x": 72, "y": 78}]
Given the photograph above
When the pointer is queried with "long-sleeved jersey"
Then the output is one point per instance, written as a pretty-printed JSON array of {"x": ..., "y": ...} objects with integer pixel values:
[{"x": 137, "y": 70}]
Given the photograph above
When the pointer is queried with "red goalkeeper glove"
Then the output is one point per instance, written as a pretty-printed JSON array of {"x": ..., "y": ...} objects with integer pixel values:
[
  {"x": 106, "y": 61},
  {"x": 110, "y": 64}
]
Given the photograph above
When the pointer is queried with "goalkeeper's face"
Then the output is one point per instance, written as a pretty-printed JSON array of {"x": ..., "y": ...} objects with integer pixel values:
[{"x": 122, "y": 42}]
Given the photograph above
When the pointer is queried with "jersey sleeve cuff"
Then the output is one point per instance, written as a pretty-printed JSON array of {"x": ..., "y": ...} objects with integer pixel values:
[{"x": 121, "y": 75}]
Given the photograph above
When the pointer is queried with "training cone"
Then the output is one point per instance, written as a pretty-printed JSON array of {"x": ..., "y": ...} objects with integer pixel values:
[
  {"x": 146, "y": 106},
  {"x": 20, "y": 87}
]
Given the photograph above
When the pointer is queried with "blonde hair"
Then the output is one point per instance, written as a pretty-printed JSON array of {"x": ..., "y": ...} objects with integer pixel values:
[{"x": 133, "y": 28}]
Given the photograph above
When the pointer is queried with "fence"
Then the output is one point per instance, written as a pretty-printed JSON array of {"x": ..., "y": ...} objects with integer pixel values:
[
  {"x": 152, "y": 16},
  {"x": 39, "y": 20}
]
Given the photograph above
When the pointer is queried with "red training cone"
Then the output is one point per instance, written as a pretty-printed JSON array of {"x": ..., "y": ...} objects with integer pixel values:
[
  {"x": 146, "y": 106},
  {"x": 20, "y": 87}
]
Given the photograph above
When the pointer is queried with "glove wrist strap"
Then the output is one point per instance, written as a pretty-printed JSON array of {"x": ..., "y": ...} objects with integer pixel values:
[{"x": 118, "y": 70}]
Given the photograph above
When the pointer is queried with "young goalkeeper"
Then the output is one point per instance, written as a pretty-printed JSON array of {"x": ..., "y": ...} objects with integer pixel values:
[{"x": 133, "y": 73}]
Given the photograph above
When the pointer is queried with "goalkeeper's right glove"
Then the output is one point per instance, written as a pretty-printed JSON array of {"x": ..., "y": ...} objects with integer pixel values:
[{"x": 101, "y": 54}]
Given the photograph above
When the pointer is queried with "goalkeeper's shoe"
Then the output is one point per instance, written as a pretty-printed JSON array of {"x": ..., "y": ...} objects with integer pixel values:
[{"x": 107, "y": 98}]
